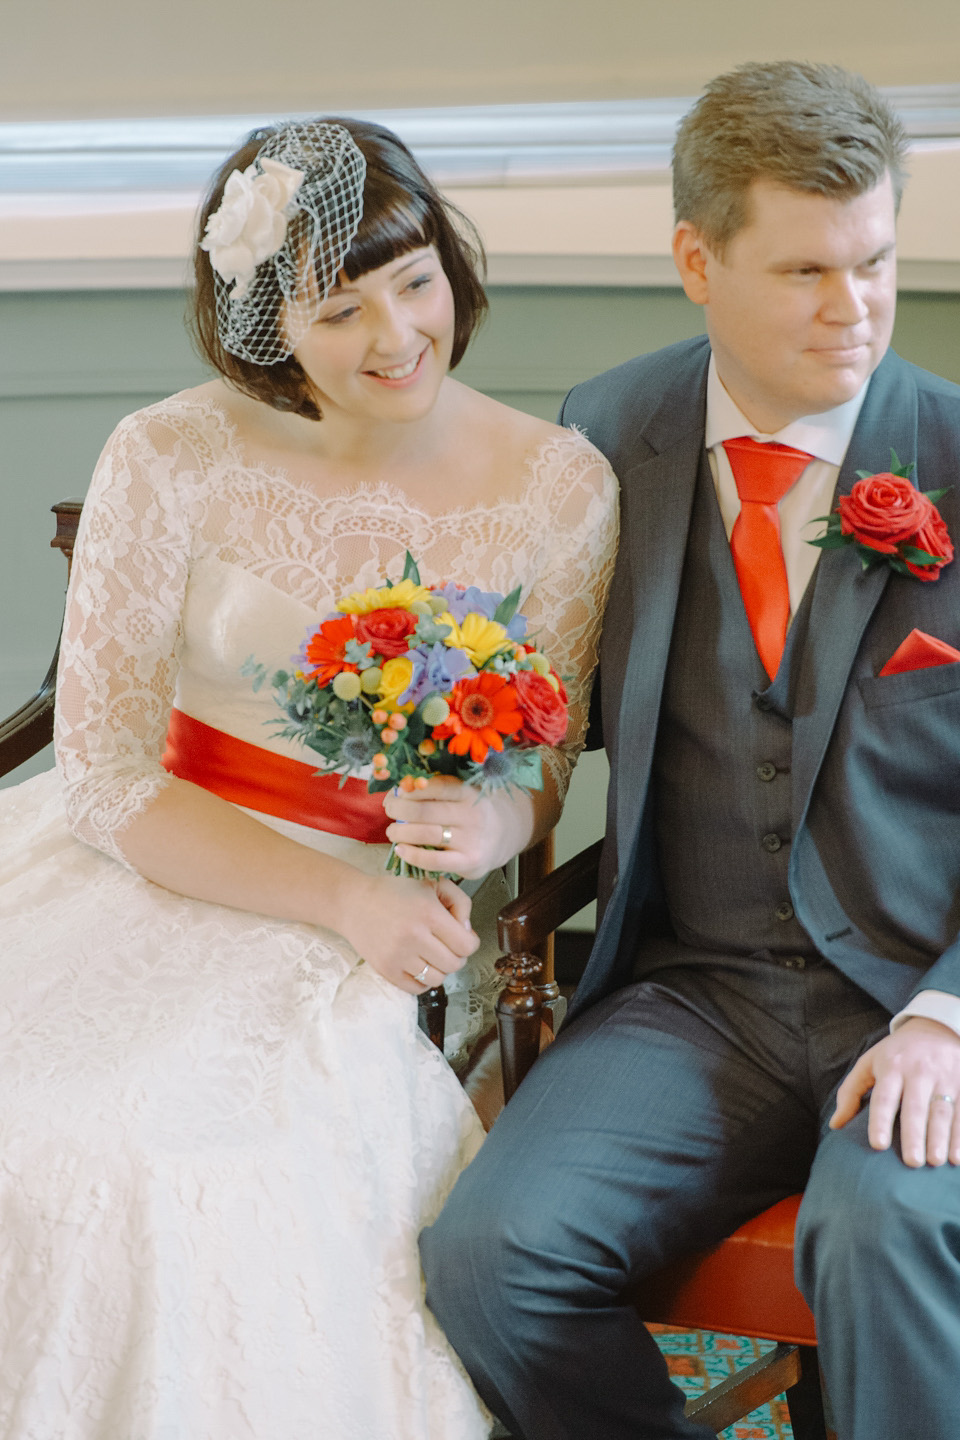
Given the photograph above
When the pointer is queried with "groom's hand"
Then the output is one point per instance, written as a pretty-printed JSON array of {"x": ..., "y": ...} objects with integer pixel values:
[{"x": 916, "y": 1070}]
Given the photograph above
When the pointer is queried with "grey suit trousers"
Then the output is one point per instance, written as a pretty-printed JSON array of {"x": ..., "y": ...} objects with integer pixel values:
[{"x": 658, "y": 1122}]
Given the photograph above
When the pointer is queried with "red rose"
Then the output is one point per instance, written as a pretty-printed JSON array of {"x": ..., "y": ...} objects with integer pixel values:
[
  {"x": 386, "y": 630},
  {"x": 883, "y": 511},
  {"x": 544, "y": 712},
  {"x": 932, "y": 537}
]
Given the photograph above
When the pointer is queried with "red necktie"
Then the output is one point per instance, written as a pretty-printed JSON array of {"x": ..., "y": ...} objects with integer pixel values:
[{"x": 764, "y": 474}]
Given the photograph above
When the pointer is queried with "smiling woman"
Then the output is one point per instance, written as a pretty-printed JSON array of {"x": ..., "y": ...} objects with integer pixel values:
[{"x": 213, "y": 1089}]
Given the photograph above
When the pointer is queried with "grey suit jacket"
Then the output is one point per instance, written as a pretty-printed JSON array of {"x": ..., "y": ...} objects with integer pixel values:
[{"x": 875, "y": 864}]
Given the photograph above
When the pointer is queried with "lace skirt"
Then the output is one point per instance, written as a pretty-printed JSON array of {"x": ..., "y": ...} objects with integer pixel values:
[{"x": 219, "y": 1138}]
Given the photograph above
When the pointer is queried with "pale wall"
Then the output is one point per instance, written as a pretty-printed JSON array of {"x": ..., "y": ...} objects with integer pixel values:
[{"x": 61, "y": 58}]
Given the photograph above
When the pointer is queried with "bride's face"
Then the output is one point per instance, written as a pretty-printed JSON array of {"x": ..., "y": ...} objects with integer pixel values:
[{"x": 381, "y": 344}]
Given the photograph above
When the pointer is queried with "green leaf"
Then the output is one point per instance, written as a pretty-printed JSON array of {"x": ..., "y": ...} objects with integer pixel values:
[
  {"x": 897, "y": 466},
  {"x": 934, "y": 496},
  {"x": 254, "y": 671},
  {"x": 919, "y": 557},
  {"x": 529, "y": 770},
  {"x": 429, "y": 632},
  {"x": 833, "y": 540},
  {"x": 507, "y": 608},
  {"x": 356, "y": 654},
  {"x": 410, "y": 571}
]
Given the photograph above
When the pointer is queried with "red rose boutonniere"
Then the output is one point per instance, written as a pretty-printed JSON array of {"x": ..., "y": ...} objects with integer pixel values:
[{"x": 887, "y": 518}]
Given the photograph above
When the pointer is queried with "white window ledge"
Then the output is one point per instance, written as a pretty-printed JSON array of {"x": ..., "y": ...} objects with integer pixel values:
[{"x": 563, "y": 194}]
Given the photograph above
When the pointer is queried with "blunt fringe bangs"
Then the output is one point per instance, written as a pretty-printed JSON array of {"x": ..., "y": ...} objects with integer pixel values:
[
  {"x": 402, "y": 211},
  {"x": 813, "y": 128}
]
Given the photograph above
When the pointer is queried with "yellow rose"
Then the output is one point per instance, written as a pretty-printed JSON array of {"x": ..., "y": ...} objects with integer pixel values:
[
  {"x": 477, "y": 635},
  {"x": 395, "y": 676},
  {"x": 399, "y": 597}
]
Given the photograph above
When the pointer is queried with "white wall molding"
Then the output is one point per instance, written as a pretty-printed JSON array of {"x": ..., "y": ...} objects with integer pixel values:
[{"x": 564, "y": 194}]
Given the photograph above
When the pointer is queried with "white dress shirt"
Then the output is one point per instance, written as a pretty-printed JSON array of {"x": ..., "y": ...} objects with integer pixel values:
[{"x": 826, "y": 437}]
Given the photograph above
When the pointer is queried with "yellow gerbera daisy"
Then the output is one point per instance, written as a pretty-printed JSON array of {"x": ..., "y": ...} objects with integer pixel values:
[
  {"x": 388, "y": 597},
  {"x": 477, "y": 635}
]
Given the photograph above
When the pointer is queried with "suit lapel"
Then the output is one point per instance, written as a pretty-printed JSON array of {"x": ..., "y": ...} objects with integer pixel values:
[
  {"x": 658, "y": 503},
  {"x": 845, "y": 596}
]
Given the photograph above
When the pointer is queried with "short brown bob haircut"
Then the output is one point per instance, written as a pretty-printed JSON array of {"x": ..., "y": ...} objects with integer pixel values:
[
  {"x": 402, "y": 211},
  {"x": 813, "y": 128}
]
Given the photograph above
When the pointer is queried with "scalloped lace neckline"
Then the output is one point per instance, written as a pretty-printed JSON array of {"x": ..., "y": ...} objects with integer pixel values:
[{"x": 373, "y": 490}]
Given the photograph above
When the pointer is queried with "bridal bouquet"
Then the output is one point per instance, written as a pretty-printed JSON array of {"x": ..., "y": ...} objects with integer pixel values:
[{"x": 415, "y": 681}]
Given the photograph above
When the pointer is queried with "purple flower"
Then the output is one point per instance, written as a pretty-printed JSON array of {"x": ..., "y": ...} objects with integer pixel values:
[
  {"x": 461, "y": 602},
  {"x": 436, "y": 669}
]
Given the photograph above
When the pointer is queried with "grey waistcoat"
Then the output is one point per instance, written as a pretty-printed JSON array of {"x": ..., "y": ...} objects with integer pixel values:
[{"x": 723, "y": 758}]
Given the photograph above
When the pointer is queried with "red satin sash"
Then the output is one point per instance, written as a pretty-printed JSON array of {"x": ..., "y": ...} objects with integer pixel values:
[{"x": 258, "y": 779}]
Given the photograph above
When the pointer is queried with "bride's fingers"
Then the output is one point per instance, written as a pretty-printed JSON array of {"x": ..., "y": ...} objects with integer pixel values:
[
  {"x": 452, "y": 898},
  {"x": 418, "y": 804},
  {"x": 433, "y": 834}
]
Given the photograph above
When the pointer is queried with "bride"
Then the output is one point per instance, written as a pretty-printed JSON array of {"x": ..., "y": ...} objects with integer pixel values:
[{"x": 221, "y": 1129}]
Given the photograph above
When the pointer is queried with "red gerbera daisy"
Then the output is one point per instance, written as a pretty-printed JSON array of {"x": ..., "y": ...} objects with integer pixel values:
[
  {"x": 483, "y": 708},
  {"x": 325, "y": 650}
]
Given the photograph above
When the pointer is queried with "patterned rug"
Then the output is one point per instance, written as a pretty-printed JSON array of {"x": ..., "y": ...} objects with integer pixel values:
[{"x": 698, "y": 1360}]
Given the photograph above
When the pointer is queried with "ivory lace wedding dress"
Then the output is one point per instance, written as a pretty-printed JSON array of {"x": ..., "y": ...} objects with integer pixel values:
[{"x": 220, "y": 1134}]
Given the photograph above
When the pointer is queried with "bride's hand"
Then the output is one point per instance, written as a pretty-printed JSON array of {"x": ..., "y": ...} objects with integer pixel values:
[
  {"x": 451, "y": 826},
  {"x": 413, "y": 932}
]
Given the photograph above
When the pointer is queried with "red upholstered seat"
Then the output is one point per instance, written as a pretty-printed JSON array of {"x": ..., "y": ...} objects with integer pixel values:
[{"x": 743, "y": 1286}]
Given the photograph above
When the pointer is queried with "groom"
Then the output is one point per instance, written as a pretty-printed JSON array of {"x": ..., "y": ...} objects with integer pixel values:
[{"x": 773, "y": 999}]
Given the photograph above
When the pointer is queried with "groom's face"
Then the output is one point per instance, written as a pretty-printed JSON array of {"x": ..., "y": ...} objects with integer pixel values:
[{"x": 800, "y": 307}]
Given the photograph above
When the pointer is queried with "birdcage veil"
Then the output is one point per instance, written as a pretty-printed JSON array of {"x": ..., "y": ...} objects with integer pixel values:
[{"x": 280, "y": 236}]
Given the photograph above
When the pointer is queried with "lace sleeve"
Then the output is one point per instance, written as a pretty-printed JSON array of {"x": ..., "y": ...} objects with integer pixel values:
[
  {"x": 578, "y": 504},
  {"x": 118, "y": 657}
]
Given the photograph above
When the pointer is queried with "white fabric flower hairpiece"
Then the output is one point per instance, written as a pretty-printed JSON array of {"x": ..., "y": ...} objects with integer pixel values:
[
  {"x": 280, "y": 235},
  {"x": 251, "y": 222}
]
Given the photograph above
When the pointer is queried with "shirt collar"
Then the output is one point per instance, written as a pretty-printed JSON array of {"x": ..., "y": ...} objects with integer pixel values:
[{"x": 827, "y": 435}]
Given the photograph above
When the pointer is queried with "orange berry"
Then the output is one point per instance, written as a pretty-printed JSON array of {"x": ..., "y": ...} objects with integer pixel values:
[
  {"x": 397, "y": 721},
  {"x": 387, "y": 736},
  {"x": 407, "y": 783},
  {"x": 379, "y": 761},
  {"x": 427, "y": 747},
  {"x": 380, "y": 773},
  {"x": 379, "y": 717},
  {"x": 421, "y": 782}
]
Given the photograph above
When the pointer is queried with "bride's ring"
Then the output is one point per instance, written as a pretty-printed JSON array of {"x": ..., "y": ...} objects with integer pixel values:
[
  {"x": 446, "y": 834},
  {"x": 421, "y": 975}
]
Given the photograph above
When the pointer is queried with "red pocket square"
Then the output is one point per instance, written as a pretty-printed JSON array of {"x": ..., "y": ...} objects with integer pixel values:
[{"x": 919, "y": 652}]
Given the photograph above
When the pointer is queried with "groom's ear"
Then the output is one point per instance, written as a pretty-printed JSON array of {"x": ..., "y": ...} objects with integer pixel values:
[{"x": 690, "y": 254}]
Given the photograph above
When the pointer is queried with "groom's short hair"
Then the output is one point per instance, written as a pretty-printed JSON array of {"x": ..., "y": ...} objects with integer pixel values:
[{"x": 813, "y": 128}]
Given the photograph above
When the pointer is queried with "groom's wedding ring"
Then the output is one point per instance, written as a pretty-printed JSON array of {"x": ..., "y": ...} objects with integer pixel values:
[
  {"x": 446, "y": 834},
  {"x": 947, "y": 1098},
  {"x": 421, "y": 975}
]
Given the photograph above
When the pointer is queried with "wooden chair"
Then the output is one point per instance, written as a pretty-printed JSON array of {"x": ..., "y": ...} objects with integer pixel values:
[{"x": 744, "y": 1285}]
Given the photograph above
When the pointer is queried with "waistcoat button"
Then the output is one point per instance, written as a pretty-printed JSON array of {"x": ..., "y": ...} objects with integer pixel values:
[
  {"x": 767, "y": 770},
  {"x": 771, "y": 843},
  {"x": 763, "y": 703},
  {"x": 784, "y": 911}
]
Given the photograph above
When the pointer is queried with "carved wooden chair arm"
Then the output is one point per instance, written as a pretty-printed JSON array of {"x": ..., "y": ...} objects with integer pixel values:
[
  {"x": 531, "y": 994},
  {"x": 30, "y": 728},
  {"x": 527, "y": 921}
]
